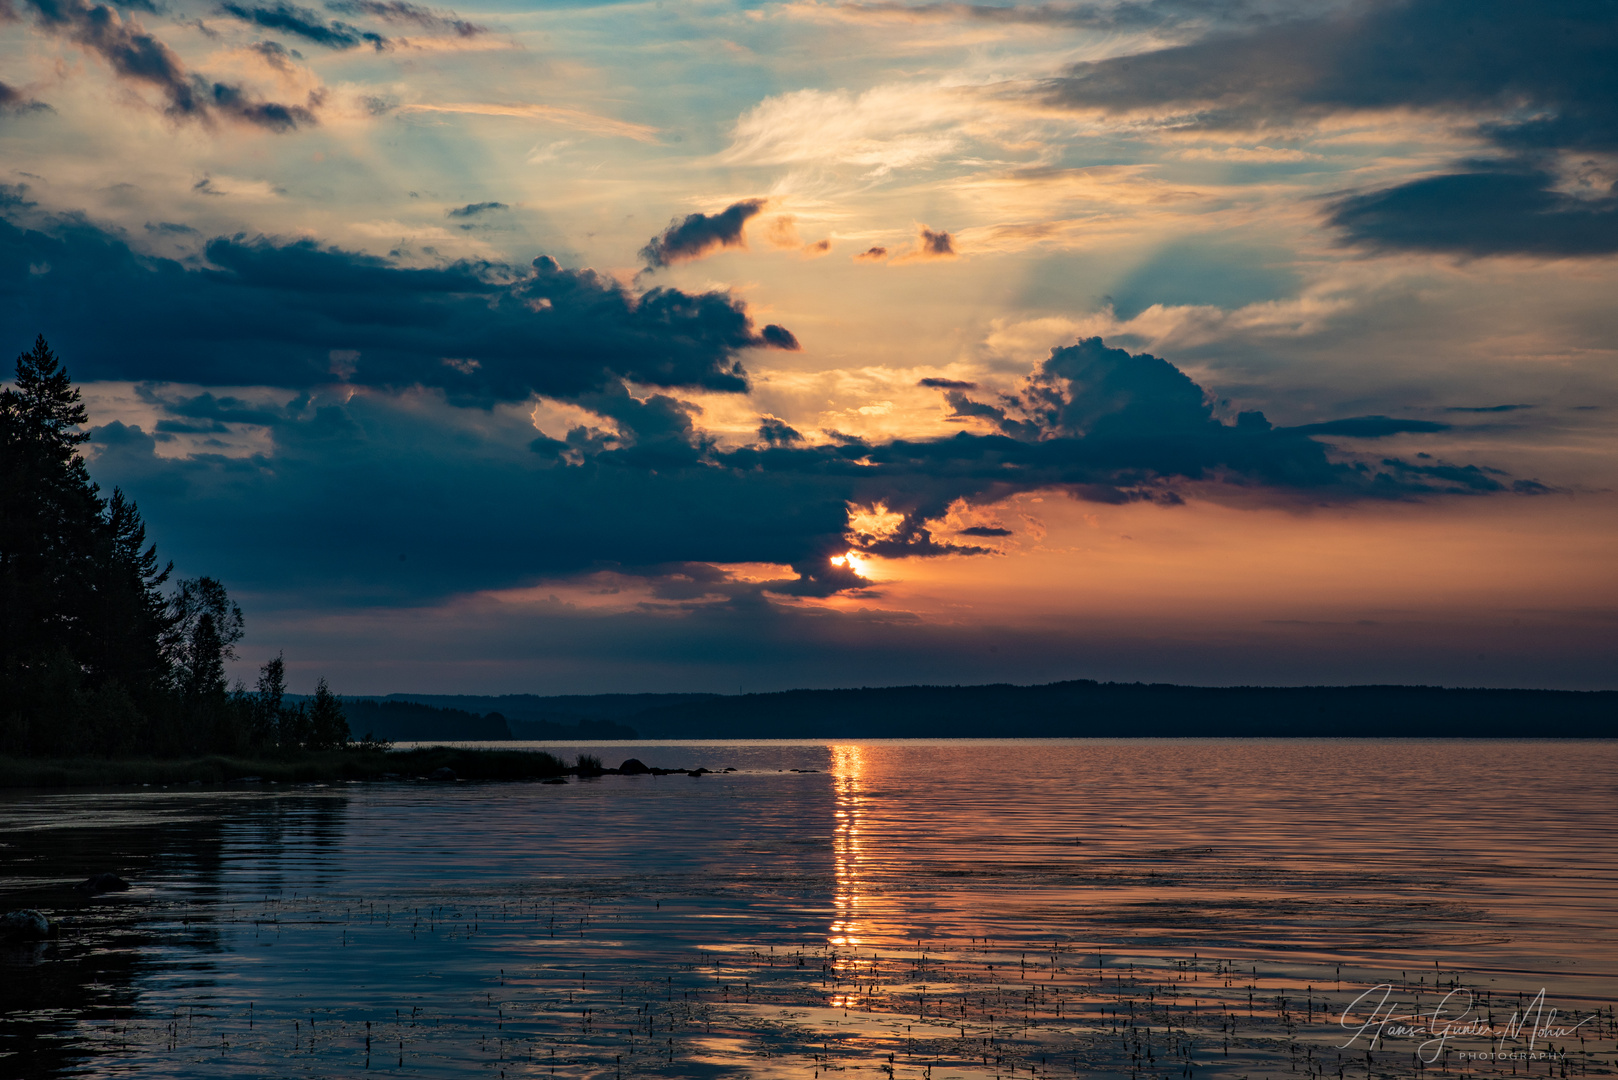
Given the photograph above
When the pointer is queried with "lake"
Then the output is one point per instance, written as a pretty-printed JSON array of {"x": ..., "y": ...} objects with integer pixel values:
[{"x": 974, "y": 909}]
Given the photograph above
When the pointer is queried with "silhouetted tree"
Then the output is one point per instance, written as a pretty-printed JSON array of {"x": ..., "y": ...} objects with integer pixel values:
[
  {"x": 206, "y": 627},
  {"x": 328, "y": 725},
  {"x": 93, "y": 657},
  {"x": 267, "y": 703},
  {"x": 49, "y": 517}
]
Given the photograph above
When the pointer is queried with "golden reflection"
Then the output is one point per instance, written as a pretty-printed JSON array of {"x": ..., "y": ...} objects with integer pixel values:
[{"x": 848, "y": 840}]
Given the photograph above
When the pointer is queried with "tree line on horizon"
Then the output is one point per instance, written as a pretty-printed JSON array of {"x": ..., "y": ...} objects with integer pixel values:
[{"x": 95, "y": 657}]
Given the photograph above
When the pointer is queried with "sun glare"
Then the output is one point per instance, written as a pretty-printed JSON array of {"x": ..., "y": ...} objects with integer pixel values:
[{"x": 857, "y": 561}]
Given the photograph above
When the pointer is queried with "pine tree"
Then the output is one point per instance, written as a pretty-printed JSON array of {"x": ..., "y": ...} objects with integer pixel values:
[
  {"x": 50, "y": 517},
  {"x": 131, "y": 618},
  {"x": 49, "y": 513},
  {"x": 328, "y": 724}
]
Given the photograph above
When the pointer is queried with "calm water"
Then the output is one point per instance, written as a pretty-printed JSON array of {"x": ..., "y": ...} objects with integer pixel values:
[{"x": 1126, "y": 908}]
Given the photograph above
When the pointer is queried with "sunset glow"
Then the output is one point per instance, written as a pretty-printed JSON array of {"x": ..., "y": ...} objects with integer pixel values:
[{"x": 522, "y": 348}]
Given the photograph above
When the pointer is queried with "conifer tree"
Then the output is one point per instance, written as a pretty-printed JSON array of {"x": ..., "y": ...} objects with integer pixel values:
[{"x": 328, "y": 725}]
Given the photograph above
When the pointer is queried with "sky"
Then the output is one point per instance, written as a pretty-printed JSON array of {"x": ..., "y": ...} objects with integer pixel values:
[{"x": 591, "y": 347}]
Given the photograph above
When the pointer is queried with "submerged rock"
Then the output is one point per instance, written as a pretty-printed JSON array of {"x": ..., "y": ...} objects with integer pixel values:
[
  {"x": 444, "y": 773},
  {"x": 102, "y": 883},
  {"x": 634, "y": 767},
  {"x": 24, "y": 925}
]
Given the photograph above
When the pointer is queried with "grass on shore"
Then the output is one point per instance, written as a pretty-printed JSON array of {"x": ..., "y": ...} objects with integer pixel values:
[{"x": 302, "y": 767}]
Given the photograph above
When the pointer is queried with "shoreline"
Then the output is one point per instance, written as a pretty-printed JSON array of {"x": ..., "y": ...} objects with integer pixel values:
[{"x": 323, "y": 766}]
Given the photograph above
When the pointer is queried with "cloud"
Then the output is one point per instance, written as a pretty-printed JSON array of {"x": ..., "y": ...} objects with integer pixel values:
[
  {"x": 779, "y": 337},
  {"x": 474, "y": 209},
  {"x": 269, "y": 312},
  {"x": 930, "y": 245},
  {"x": 306, "y": 24},
  {"x": 13, "y": 100},
  {"x": 137, "y": 56},
  {"x": 322, "y": 517},
  {"x": 1533, "y": 79},
  {"x": 937, "y": 245},
  {"x": 554, "y": 114},
  {"x": 778, "y": 433},
  {"x": 277, "y": 55},
  {"x": 1117, "y": 17},
  {"x": 1493, "y": 211},
  {"x": 1370, "y": 427},
  {"x": 701, "y": 234},
  {"x": 1547, "y": 66},
  {"x": 401, "y": 12},
  {"x": 947, "y": 384},
  {"x": 872, "y": 254}
]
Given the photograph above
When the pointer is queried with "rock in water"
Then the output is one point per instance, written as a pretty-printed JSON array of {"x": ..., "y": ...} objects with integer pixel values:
[
  {"x": 634, "y": 767},
  {"x": 24, "y": 925},
  {"x": 444, "y": 773},
  {"x": 100, "y": 883}
]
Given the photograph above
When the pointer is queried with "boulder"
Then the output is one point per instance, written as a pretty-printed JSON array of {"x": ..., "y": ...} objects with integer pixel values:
[
  {"x": 443, "y": 773},
  {"x": 634, "y": 767},
  {"x": 102, "y": 883},
  {"x": 24, "y": 925}
]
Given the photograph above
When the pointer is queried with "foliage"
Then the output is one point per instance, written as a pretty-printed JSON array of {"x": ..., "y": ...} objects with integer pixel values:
[{"x": 94, "y": 658}]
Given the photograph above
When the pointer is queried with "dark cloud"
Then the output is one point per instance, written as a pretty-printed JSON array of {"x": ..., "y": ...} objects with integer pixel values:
[
  {"x": 401, "y": 12},
  {"x": 277, "y": 55},
  {"x": 13, "y": 100},
  {"x": 1499, "y": 211},
  {"x": 139, "y": 57},
  {"x": 947, "y": 384},
  {"x": 700, "y": 234},
  {"x": 287, "y": 313},
  {"x": 474, "y": 209},
  {"x": 1486, "y": 408},
  {"x": 936, "y": 245},
  {"x": 779, "y": 337},
  {"x": 1542, "y": 77},
  {"x": 1545, "y": 71},
  {"x": 353, "y": 481},
  {"x": 172, "y": 228},
  {"x": 873, "y": 254},
  {"x": 1149, "y": 15},
  {"x": 1369, "y": 427},
  {"x": 778, "y": 433},
  {"x": 307, "y": 24},
  {"x": 984, "y": 530}
]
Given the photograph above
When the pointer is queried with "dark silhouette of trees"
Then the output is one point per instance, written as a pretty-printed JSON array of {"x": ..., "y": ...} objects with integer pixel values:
[
  {"x": 328, "y": 726},
  {"x": 94, "y": 658}
]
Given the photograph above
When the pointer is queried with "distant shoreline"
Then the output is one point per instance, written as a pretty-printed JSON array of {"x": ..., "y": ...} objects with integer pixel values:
[{"x": 1077, "y": 709}]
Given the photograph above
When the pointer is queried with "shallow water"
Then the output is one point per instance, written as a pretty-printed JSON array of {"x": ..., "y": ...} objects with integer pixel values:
[{"x": 973, "y": 909}]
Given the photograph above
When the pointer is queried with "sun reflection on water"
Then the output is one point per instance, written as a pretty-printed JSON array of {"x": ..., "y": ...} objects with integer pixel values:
[{"x": 848, "y": 773}]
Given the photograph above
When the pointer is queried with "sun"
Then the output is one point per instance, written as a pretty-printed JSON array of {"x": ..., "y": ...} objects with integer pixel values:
[{"x": 856, "y": 561}]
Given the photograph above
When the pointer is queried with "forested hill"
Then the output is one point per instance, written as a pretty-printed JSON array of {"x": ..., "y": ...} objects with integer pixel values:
[
  {"x": 402, "y": 721},
  {"x": 464, "y": 718},
  {"x": 1084, "y": 708}
]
